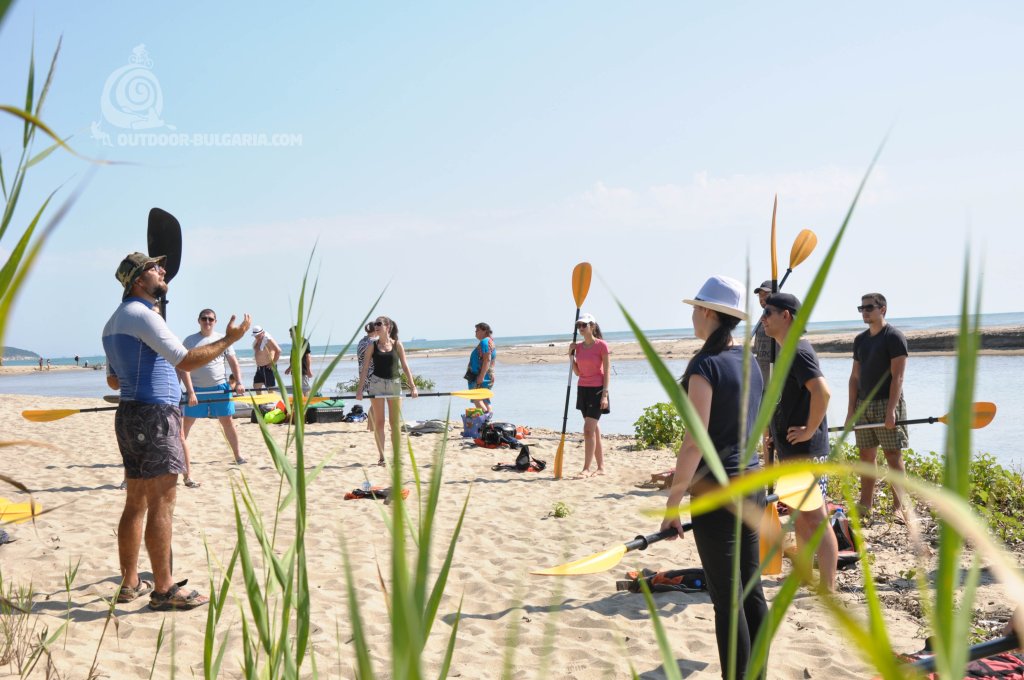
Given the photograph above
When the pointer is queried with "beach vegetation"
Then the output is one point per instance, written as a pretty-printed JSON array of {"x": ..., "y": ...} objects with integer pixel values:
[
  {"x": 560, "y": 510},
  {"x": 659, "y": 427},
  {"x": 422, "y": 383},
  {"x": 996, "y": 492},
  {"x": 946, "y": 588}
]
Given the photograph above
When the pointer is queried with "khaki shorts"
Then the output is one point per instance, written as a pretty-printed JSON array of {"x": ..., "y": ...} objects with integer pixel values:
[{"x": 889, "y": 440}]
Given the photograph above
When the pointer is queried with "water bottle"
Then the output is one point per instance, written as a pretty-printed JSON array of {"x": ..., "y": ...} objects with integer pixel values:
[{"x": 366, "y": 486}]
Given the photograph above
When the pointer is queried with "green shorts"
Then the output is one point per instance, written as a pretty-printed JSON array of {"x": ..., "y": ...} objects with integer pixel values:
[{"x": 889, "y": 440}]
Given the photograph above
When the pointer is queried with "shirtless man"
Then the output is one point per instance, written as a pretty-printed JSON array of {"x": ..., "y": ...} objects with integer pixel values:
[{"x": 266, "y": 352}]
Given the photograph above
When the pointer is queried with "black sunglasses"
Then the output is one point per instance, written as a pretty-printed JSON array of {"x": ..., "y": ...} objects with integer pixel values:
[
  {"x": 378, "y": 324},
  {"x": 582, "y": 324},
  {"x": 211, "y": 319},
  {"x": 768, "y": 311},
  {"x": 868, "y": 308}
]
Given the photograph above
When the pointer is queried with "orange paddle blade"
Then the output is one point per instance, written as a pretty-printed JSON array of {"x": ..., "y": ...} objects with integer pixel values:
[
  {"x": 983, "y": 413},
  {"x": 558, "y": 457},
  {"x": 49, "y": 414},
  {"x": 775, "y": 260},
  {"x": 805, "y": 243},
  {"x": 771, "y": 540},
  {"x": 581, "y": 282}
]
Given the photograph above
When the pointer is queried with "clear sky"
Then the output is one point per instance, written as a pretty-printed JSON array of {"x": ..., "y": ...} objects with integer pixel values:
[{"x": 472, "y": 153}]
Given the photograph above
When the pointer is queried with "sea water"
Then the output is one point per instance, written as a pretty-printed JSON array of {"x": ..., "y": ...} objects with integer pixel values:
[{"x": 534, "y": 394}]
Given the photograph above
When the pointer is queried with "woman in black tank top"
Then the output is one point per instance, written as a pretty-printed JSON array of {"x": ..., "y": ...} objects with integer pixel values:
[{"x": 384, "y": 384}]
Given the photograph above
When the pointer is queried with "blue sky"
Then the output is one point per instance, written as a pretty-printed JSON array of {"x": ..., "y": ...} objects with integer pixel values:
[{"x": 471, "y": 154}]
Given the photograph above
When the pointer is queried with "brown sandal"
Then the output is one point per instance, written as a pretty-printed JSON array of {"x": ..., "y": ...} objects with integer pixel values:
[
  {"x": 176, "y": 599},
  {"x": 127, "y": 593}
]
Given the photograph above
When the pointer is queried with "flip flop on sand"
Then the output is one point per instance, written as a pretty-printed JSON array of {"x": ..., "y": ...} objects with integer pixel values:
[
  {"x": 128, "y": 593},
  {"x": 191, "y": 483},
  {"x": 176, "y": 599}
]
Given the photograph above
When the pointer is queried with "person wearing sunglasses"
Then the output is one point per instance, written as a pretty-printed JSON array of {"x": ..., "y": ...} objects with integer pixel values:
[
  {"x": 142, "y": 357},
  {"x": 207, "y": 389},
  {"x": 799, "y": 428},
  {"x": 384, "y": 385},
  {"x": 713, "y": 381},
  {"x": 879, "y": 360},
  {"x": 591, "y": 364}
]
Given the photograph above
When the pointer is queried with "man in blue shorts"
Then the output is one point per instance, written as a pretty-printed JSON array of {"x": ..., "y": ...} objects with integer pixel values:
[
  {"x": 879, "y": 360},
  {"x": 142, "y": 355},
  {"x": 799, "y": 427},
  {"x": 207, "y": 389}
]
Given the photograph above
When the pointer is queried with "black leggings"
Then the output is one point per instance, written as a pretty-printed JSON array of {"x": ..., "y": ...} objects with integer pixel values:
[{"x": 713, "y": 533}]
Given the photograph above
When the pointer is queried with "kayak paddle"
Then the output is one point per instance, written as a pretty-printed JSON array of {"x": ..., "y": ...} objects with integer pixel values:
[
  {"x": 803, "y": 246},
  {"x": 47, "y": 415},
  {"x": 18, "y": 512},
  {"x": 580, "y": 287},
  {"x": 983, "y": 412},
  {"x": 163, "y": 238},
  {"x": 981, "y": 650},
  {"x": 795, "y": 495}
]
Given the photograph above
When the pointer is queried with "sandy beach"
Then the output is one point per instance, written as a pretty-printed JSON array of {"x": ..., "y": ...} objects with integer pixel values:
[{"x": 599, "y": 633}]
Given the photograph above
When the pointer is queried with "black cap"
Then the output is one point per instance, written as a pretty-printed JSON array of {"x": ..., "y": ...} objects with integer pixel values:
[
  {"x": 766, "y": 286},
  {"x": 784, "y": 301}
]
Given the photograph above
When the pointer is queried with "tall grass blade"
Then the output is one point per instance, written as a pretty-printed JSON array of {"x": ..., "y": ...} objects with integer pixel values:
[{"x": 668, "y": 658}]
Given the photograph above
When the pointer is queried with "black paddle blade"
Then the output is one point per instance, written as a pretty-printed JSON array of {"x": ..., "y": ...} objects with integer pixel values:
[{"x": 164, "y": 238}]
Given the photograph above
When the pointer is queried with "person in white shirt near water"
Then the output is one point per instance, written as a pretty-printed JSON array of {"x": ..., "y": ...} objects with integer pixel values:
[
  {"x": 590, "y": 362},
  {"x": 207, "y": 390}
]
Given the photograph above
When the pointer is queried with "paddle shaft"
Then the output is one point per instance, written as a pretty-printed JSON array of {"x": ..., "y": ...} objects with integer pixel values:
[
  {"x": 978, "y": 651},
  {"x": 641, "y": 542},
  {"x": 871, "y": 426},
  {"x": 568, "y": 386}
]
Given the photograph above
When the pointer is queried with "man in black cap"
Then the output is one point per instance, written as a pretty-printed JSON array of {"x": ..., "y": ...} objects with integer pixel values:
[
  {"x": 142, "y": 355},
  {"x": 799, "y": 427}
]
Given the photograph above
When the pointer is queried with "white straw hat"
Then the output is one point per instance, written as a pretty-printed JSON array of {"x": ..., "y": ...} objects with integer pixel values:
[{"x": 721, "y": 294}]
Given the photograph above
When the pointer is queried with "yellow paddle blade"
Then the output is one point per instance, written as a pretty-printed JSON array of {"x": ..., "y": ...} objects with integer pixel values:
[
  {"x": 594, "y": 564},
  {"x": 48, "y": 415},
  {"x": 474, "y": 394},
  {"x": 803, "y": 246},
  {"x": 983, "y": 413},
  {"x": 799, "y": 491},
  {"x": 558, "y": 457},
  {"x": 771, "y": 539},
  {"x": 775, "y": 260},
  {"x": 18, "y": 512},
  {"x": 581, "y": 282}
]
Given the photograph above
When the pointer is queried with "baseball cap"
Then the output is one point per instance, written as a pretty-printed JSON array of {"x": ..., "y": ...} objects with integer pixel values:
[
  {"x": 784, "y": 301},
  {"x": 766, "y": 286}
]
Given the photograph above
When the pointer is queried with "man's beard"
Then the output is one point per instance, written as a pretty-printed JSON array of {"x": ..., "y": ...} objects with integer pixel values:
[{"x": 157, "y": 290}]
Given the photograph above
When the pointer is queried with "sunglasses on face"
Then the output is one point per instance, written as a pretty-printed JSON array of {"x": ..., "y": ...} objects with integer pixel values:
[
  {"x": 867, "y": 308},
  {"x": 582, "y": 324},
  {"x": 208, "y": 319},
  {"x": 378, "y": 324},
  {"x": 153, "y": 265},
  {"x": 768, "y": 311}
]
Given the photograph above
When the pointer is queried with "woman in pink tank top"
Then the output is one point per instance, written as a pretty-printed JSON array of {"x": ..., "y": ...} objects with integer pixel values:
[{"x": 590, "y": 362}]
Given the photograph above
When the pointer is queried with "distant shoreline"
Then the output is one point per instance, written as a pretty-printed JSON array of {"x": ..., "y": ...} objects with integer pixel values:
[{"x": 995, "y": 340}]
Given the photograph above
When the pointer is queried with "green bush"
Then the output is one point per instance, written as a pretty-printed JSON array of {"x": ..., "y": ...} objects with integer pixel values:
[
  {"x": 997, "y": 494},
  {"x": 422, "y": 383},
  {"x": 658, "y": 427}
]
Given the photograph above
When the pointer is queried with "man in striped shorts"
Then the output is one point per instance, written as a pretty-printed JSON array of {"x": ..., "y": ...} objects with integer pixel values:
[{"x": 879, "y": 360}]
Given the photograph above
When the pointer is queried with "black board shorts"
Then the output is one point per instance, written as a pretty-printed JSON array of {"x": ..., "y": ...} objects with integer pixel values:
[
  {"x": 588, "y": 402},
  {"x": 264, "y": 375},
  {"x": 149, "y": 437}
]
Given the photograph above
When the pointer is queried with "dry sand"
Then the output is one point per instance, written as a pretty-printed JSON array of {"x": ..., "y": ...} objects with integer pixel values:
[{"x": 597, "y": 632}]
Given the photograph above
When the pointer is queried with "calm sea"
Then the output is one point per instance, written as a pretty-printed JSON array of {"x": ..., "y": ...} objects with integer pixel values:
[{"x": 534, "y": 394}]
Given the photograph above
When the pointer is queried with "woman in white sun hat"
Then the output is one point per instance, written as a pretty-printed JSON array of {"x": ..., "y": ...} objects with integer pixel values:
[{"x": 713, "y": 380}]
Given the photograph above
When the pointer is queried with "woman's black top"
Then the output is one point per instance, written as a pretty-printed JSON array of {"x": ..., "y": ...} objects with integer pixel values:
[
  {"x": 724, "y": 372},
  {"x": 384, "y": 362}
]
